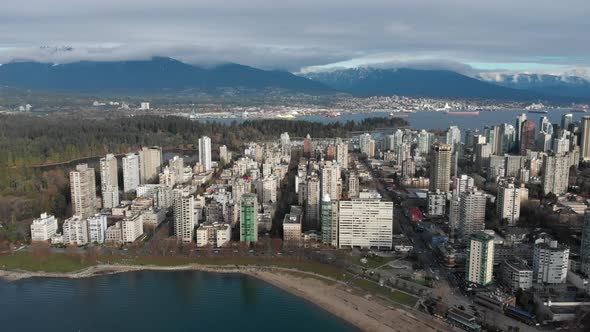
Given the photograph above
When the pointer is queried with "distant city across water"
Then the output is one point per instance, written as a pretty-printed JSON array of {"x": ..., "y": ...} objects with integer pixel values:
[
  {"x": 441, "y": 120},
  {"x": 159, "y": 301}
]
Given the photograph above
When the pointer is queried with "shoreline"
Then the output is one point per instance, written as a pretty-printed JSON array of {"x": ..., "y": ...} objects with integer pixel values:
[{"x": 368, "y": 313}]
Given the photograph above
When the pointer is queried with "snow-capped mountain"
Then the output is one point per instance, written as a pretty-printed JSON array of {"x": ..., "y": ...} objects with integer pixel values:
[{"x": 558, "y": 85}]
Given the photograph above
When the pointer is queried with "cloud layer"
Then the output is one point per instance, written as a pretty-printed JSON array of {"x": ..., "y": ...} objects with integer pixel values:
[{"x": 296, "y": 34}]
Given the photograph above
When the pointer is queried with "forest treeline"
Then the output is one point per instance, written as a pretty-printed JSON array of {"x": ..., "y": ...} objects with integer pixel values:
[
  {"x": 32, "y": 140},
  {"x": 35, "y": 140}
]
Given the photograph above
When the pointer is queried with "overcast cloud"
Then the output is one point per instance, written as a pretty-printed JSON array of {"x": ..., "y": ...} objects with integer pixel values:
[{"x": 294, "y": 35}]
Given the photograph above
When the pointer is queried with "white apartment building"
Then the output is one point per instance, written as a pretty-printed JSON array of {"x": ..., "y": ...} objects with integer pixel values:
[
  {"x": 342, "y": 153},
  {"x": 517, "y": 274},
  {"x": 330, "y": 180},
  {"x": 161, "y": 195},
  {"x": 508, "y": 203},
  {"x": 176, "y": 165},
  {"x": 109, "y": 183},
  {"x": 472, "y": 213},
  {"x": 184, "y": 216},
  {"x": 205, "y": 152},
  {"x": 130, "y": 172},
  {"x": 462, "y": 184},
  {"x": 83, "y": 191},
  {"x": 213, "y": 234},
  {"x": 75, "y": 231},
  {"x": 43, "y": 228},
  {"x": 266, "y": 189},
  {"x": 97, "y": 227},
  {"x": 353, "y": 186},
  {"x": 556, "y": 174},
  {"x": 167, "y": 177},
  {"x": 153, "y": 217},
  {"x": 131, "y": 228},
  {"x": 550, "y": 262},
  {"x": 329, "y": 220},
  {"x": 365, "y": 223},
  {"x": 480, "y": 259}
]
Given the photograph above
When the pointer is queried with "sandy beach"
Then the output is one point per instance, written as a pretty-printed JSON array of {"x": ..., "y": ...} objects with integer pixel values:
[{"x": 368, "y": 313}]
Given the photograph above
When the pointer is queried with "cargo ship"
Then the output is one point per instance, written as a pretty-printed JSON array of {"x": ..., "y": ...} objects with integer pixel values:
[
  {"x": 538, "y": 111},
  {"x": 462, "y": 112}
]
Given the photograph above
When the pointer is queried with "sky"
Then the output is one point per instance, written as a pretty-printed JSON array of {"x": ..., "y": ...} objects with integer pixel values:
[{"x": 305, "y": 35}]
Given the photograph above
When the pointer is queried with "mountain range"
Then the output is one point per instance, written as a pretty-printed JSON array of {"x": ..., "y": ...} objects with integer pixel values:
[
  {"x": 158, "y": 74},
  {"x": 166, "y": 75},
  {"x": 366, "y": 81},
  {"x": 566, "y": 85}
]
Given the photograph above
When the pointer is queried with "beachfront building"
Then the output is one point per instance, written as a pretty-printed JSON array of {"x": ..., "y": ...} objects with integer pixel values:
[
  {"x": 213, "y": 234},
  {"x": 75, "y": 231},
  {"x": 249, "y": 218},
  {"x": 97, "y": 227},
  {"x": 44, "y": 227},
  {"x": 184, "y": 216},
  {"x": 365, "y": 223}
]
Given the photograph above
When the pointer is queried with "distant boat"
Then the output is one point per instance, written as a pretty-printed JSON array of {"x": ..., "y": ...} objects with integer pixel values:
[
  {"x": 538, "y": 111},
  {"x": 398, "y": 115},
  {"x": 462, "y": 112},
  {"x": 333, "y": 115}
]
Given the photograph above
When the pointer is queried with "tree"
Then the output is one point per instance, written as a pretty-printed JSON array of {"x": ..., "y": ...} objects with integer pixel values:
[{"x": 550, "y": 198}]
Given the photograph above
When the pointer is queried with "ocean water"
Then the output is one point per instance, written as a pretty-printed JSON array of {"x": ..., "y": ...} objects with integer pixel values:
[
  {"x": 158, "y": 301},
  {"x": 441, "y": 120}
]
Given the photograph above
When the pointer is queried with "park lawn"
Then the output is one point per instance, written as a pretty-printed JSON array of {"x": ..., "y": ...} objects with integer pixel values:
[
  {"x": 55, "y": 263},
  {"x": 67, "y": 263},
  {"x": 394, "y": 295}
]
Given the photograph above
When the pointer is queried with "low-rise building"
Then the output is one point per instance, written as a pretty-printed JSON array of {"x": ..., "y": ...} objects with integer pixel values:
[
  {"x": 97, "y": 227},
  {"x": 213, "y": 234},
  {"x": 516, "y": 274},
  {"x": 114, "y": 234},
  {"x": 75, "y": 231},
  {"x": 131, "y": 228},
  {"x": 153, "y": 217},
  {"x": 43, "y": 228}
]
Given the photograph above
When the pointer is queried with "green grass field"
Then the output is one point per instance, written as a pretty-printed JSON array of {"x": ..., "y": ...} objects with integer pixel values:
[
  {"x": 69, "y": 263},
  {"x": 394, "y": 295},
  {"x": 54, "y": 263}
]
